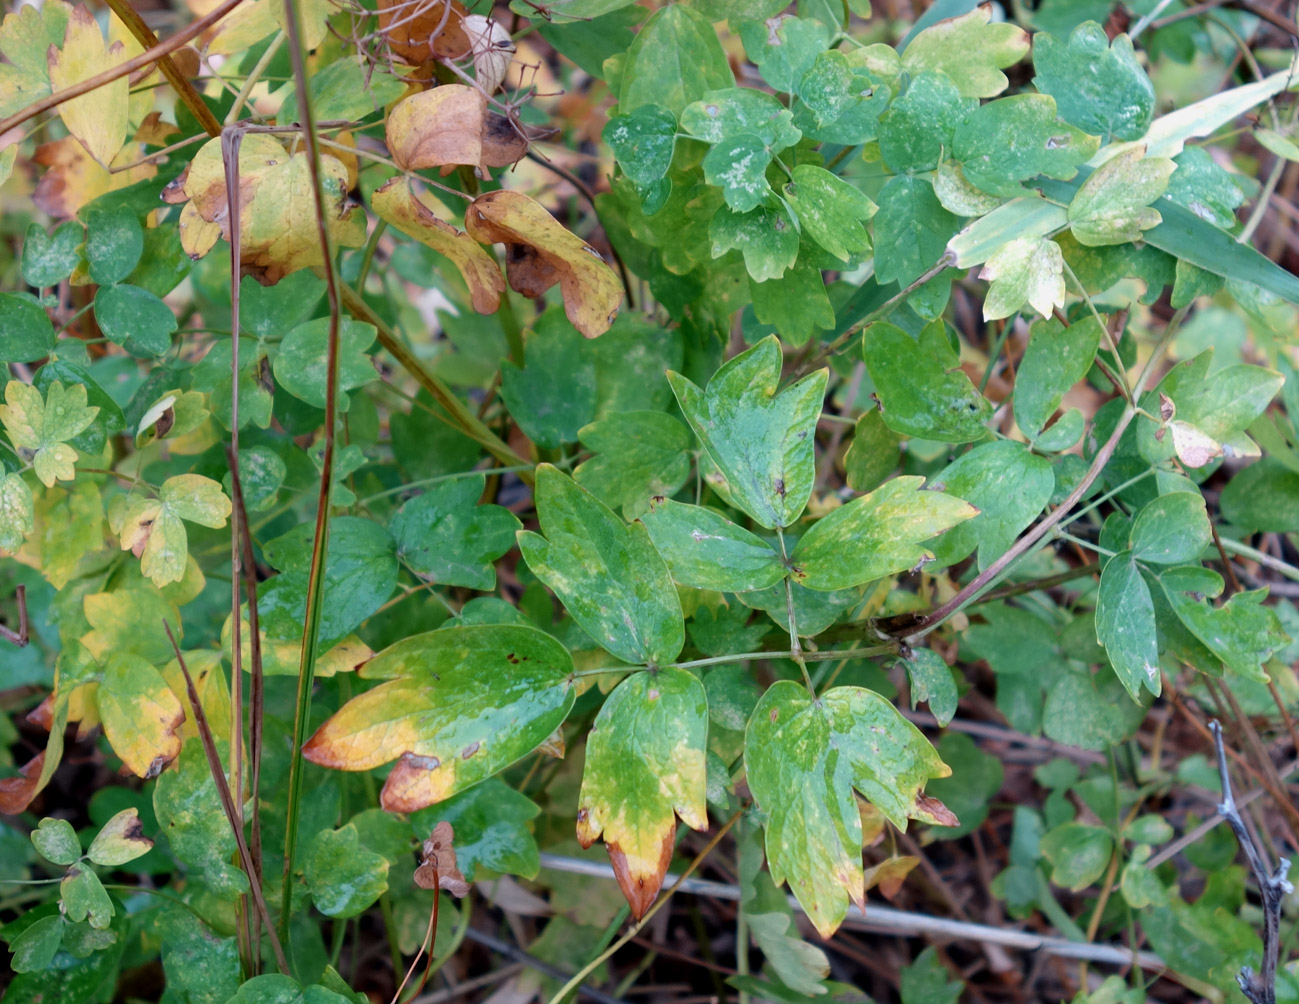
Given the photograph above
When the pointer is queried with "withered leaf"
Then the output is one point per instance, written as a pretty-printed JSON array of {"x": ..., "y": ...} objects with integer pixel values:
[
  {"x": 419, "y": 30},
  {"x": 540, "y": 253},
  {"x": 438, "y": 127},
  {"x": 437, "y": 868}
]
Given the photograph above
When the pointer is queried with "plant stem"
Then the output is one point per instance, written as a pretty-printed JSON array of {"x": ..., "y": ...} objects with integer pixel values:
[
  {"x": 320, "y": 542},
  {"x": 253, "y": 77}
]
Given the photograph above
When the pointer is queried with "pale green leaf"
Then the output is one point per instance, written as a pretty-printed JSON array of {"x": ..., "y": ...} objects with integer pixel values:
[
  {"x": 970, "y": 50},
  {"x": 876, "y": 535},
  {"x": 1113, "y": 205},
  {"x": 676, "y": 59},
  {"x": 804, "y": 757},
  {"x": 1013, "y": 139},
  {"x": 829, "y": 210},
  {"x": 638, "y": 455},
  {"x": 119, "y": 840},
  {"x": 644, "y": 767},
  {"x": 17, "y": 513},
  {"x": 1243, "y": 633},
  {"x": 705, "y": 550},
  {"x": 1057, "y": 358},
  {"x": 57, "y": 841},
  {"x": 1026, "y": 271},
  {"x": 766, "y": 236}
]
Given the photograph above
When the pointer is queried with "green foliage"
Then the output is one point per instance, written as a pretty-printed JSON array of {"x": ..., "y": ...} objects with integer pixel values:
[{"x": 863, "y": 391}]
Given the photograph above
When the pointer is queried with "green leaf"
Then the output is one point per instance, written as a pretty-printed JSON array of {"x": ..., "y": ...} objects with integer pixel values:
[
  {"x": 1203, "y": 186},
  {"x": 814, "y": 611},
  {"x": 130, "y": 620},
  {"x": 921, "y": 388},
  {"x": 970, "y": 50},
  {"x": 29, "y": 335},
  {"x": 638, "y": 455},
  {"x": 676, "y": 59},
  {"x": 958, "y": 196},
  {"x": 1012, "y": 139},
  {"x": 1113, "y": 205},
  {"x": 135, "y": 319},
  {"x": 34, "y": 949},
  {"x": 1057, "y": 358},
  {"x": 766, "y": 236},
  {"x": 839, "y": 102},
  {"x": 644, "y": 767},
  {"x": 17, "y": 513},
  {"x": 1026, "y": 271},
  {"x": 491, "y": 822},
  {"x": 445, "y": 536},
  {"x": 1007, "y": 486},
  {"x": 1125, "y": 625},
  {"x": 1264, "y": 497},
  {"x": 737, "y": 165},
  {"x": 1079, "y": 854},
  {"x": 804, "y": 757},
  {"x": 40, "y": 428},
  {"x": 110, "y": 419},
  {"x": 114, "y": 243},
  {"x": 556, "y": 356},
  {"x": 740, "y": 111},
  {"x": 119, "y": 840},
  {"x": 1172, "y": 529},
  {"x": 925, "y": 981},
  {"x": 931, "y": 681},
  {"x": 459, "y": 705},
  {"x": 57, "y": 841},
  {"x": 84, "y": 898},
  {"x": 911, "y": 230},
  {"x": 705, "y": 550},
  {"x": 607, "y": 574},
  {"x": 300, "y": 365},
  {"x": 1242, "y": 632},
  {"x": 873, "y": 453},
  {"x": 762, "y": 441},
  {"x": 276, "y": 989},
  {"x": 784, "y": 51},
  {"x": 1090, "y": 711},
  {"x": 796, "y": 304},
  {"x": 919, "y": 127},
  {"x": 360, "y": 575},
  {"x": 643, "y": 141},
  {"x": 344, "y": 878},
  {"x": 829, "y": 210},
  {"x": 197, "y": 962},
  {"x": 1098, "y": 86},
  {"x": 152, "y": 528},
  {"x": 875, "y": 535}
]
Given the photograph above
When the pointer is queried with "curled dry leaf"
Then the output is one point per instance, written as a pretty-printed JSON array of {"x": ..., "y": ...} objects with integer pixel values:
[
  {"x": 888, "y": 875},
  {"x": 397, "y": 203},
  {"x": 418, "y": 31},
  {"x": 437, "y": 867},
  {"x": 540, "y": 253},
  {"x": 492, "y": 48},
  {"x": 438, "y": 127},
  {"x": 16, "y": 793}
]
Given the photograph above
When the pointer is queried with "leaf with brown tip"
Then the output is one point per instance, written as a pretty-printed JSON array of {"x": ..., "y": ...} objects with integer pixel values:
[
  {"x": 140, "y": 713},
  {"x": 540, "y": 253},
  {"x": 397, "y": 203},
  {"x": 437, "y": 868}
]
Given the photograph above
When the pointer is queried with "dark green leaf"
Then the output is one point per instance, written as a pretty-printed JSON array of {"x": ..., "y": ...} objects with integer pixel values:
[
  {"x": 49, "y": 258},
  {"x": 28, "y": 333},
  {"x": 1056, "y": 359},
  {"x": 135, "y": 319},
  {"x": 1263, "y": 497},
  {"x": 345, "y": 879},
  {"x": 555, "y": 356},
  {"x": 1172, "y": 529},
  {"x": 643, "y": 142},
  {"x": 300, "y": 365},
  {"x": 114, "y": 243},
  {"x": 873, "y": 453},
  {"x": 676, "y": 59},
  {"x": 1078, "y": 854},
  {"x": 931, "y": 681},
  {"x": 445, "y": 536},
  {"x": 921, "y": 388},
  {"x": 920, "y": 124},
  {"x": 34, "y": 949},
  {"x": 1012, "y": 139},
  {"x": 1125, "y": 625},
  {"x": 911, "y": 230},
  {"x": 639, "y": 455},
  {"x": 1098, "y": 86},
  {"x": 607, "y": 574},
  {"x": 1242, "y": 632}
]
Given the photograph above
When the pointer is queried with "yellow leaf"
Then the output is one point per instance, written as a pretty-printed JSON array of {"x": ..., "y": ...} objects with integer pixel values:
[
  {"x": 437, "y": 127},
  {"x": 541, "y": 252},
  {"x": 403, "y": 209},
  {"x": 245, "y": 26},
  {"x": 140, "y": 714},
  {"x": 418, "y": 30},
  {"x": 213, "y": 692},
  {"x": 197, "y": 235},
  {"x": 98, "y": 119}
]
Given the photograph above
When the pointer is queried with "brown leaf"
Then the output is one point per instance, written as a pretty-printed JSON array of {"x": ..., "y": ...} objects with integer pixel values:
[
  {"x": 540, "y": 253},
  {"x": 437, "y": 127},
  {"x": 437, "y": 868},
  {"x": 930, "y": 810},
  {"x": 503, "y": 143},
  {"x": 641, "y": 891},
  {"x": 16, "y": 793},
  {"x": 417, "y": 31}
]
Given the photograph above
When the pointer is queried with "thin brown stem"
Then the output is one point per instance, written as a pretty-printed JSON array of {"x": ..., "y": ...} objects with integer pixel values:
[
  {"x": 20, "y": 637},
  {"x": 227, "y": 800}
]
